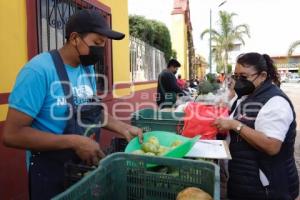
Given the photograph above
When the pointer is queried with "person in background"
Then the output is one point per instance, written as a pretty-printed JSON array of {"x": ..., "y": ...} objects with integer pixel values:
[
  {"x": 262, "y": 133},
  {"x": 188, "y": 90},
  {"x": 197, "y": 80},
  {"x": 167, "y": 88},
  {"x": 44, "y": 114},
  {"x": 193, "y": 83},
  {"x": 180, "y": 82},
  {"x": 221, "y": 78}
]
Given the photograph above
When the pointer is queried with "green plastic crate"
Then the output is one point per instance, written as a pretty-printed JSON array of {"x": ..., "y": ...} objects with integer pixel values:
[
  {"x": 124, "y": 176},
  {"x": 155, "y": 120}
]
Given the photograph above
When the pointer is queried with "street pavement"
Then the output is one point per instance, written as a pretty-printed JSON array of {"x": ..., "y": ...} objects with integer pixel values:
[{"x": 293, "y": 92}]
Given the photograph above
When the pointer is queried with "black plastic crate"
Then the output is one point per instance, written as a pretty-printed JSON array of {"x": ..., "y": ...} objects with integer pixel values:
[
  {"x": 75, "y": 172},
  {"x": 117, "y": 145}
]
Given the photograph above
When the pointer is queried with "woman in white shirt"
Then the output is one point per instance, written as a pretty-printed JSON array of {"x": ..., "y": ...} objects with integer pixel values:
[{"x": 262, "y": 134}]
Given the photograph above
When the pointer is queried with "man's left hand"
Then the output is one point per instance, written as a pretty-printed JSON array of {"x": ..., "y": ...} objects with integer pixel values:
[{"x": 132, "y": 132}]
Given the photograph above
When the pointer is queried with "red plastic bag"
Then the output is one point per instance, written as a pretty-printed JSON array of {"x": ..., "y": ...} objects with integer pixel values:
[{"x": 199, "y": 118}]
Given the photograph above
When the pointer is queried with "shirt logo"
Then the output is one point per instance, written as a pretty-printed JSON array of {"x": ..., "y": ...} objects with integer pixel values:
[{"x": 81, "y": 94}]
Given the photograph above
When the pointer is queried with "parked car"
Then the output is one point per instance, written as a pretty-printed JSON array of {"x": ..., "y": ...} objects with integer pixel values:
[
  {"x": 284, "y": 79},
  {"x": 293, "y": 78}
]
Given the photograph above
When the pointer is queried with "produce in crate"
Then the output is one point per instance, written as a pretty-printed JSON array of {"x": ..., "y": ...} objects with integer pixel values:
[
  {"x": 138, "y": 152},
  {"x": 153, "y": 140},
  {"x": 193, "y": 193},
  {"x": 205, "y": 87},
  {"x": 148, "y": 147},
  {"x": 153, "y": 147},
  {"x": 176, "y": 143},
  {"x": 162, "y": 150},
  {"x": 162, "y": 143}
]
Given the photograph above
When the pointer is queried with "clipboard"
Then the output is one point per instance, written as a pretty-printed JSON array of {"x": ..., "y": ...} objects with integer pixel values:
[{"x": 212, "y": 149}]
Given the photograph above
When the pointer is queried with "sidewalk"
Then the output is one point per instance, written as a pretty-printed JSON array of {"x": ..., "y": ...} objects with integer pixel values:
[{"x": 293, "y": 92}]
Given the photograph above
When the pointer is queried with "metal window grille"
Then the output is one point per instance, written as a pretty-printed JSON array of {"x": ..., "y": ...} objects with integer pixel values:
[
  {"x": 52, "y": 18},
  {"x": 146, "y": 62}
]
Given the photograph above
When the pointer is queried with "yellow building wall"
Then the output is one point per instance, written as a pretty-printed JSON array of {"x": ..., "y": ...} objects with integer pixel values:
[
  {"x": 3, "y": 111},
  {"x": 185, "y": 52},
  {"x": 281, "y": 60},
  {"x": 134, "y": 88},
  {"x": 13, "y": 49},
  {"x": 13, "y": 40},
  {"x": 179, "y": 42},
  {"x": 120, "y": 22}
]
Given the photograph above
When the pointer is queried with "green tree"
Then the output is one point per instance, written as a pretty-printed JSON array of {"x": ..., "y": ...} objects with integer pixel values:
[
  {"x": 174, "y": 54},
  {"x": 225, "y": 38},
  {"x": 293, "y": 47},
  {"x": 153, "y": 32},
  {"x": 141, "y": 28},
  {"x": 229, "y": 68}
]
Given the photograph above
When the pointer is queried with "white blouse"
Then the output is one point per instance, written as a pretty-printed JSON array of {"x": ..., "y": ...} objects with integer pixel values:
[{"x": 274, "y": 118}]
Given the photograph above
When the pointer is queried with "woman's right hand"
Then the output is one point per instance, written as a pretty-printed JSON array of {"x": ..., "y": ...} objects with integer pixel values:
[{"x": 87, "y": 149}]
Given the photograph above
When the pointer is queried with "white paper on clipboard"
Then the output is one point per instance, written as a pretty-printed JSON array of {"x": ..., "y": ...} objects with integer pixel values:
[{"x": 214, "y": 149}]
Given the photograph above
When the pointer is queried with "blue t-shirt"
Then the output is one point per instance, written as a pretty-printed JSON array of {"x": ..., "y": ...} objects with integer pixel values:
[{"x": 39, "y": 94}]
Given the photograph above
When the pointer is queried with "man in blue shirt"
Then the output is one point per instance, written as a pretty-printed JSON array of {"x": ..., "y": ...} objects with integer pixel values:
[{"x": 40, "y": 112}]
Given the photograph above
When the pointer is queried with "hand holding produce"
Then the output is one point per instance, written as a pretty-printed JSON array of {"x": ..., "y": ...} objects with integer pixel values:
[{"x": 152, "y": 147}]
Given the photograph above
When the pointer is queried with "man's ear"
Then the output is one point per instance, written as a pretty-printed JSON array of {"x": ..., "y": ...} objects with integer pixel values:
[{"x": 74, "y": 39}]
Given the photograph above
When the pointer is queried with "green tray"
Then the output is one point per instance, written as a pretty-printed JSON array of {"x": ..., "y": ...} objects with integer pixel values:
[{"x": 166, "y": 139}]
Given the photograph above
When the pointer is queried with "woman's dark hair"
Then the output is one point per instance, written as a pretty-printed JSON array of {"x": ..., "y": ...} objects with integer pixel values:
[{"x": 260, "y": 63}]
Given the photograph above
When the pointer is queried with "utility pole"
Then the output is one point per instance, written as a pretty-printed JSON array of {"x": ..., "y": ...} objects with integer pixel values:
[{"x": 210, "y": 56}]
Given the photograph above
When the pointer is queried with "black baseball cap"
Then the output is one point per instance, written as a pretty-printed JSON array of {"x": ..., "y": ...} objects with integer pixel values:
[
  {"x": 91, "y": 21},
  {"x": 174, "y": 63}
]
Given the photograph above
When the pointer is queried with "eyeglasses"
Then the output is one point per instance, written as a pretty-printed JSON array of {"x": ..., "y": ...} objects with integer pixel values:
[{"x": 236, "y": 77}]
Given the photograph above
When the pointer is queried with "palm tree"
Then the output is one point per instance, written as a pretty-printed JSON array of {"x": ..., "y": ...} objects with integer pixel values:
[
  {"x": 217, "y": 55},
  {"x": 293, "y": 47},
  {"x": 225, "y": 39}
]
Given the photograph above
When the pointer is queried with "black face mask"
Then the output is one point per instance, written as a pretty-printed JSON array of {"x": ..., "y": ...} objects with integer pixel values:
[
  {"x": 175, "y": 72},
  {"x": 96, "y": 54},
  {"x": 243, "y": 87}
]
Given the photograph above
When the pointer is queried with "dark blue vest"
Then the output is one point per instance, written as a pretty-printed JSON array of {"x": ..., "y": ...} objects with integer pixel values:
[{"x": 280, "y": 169}]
